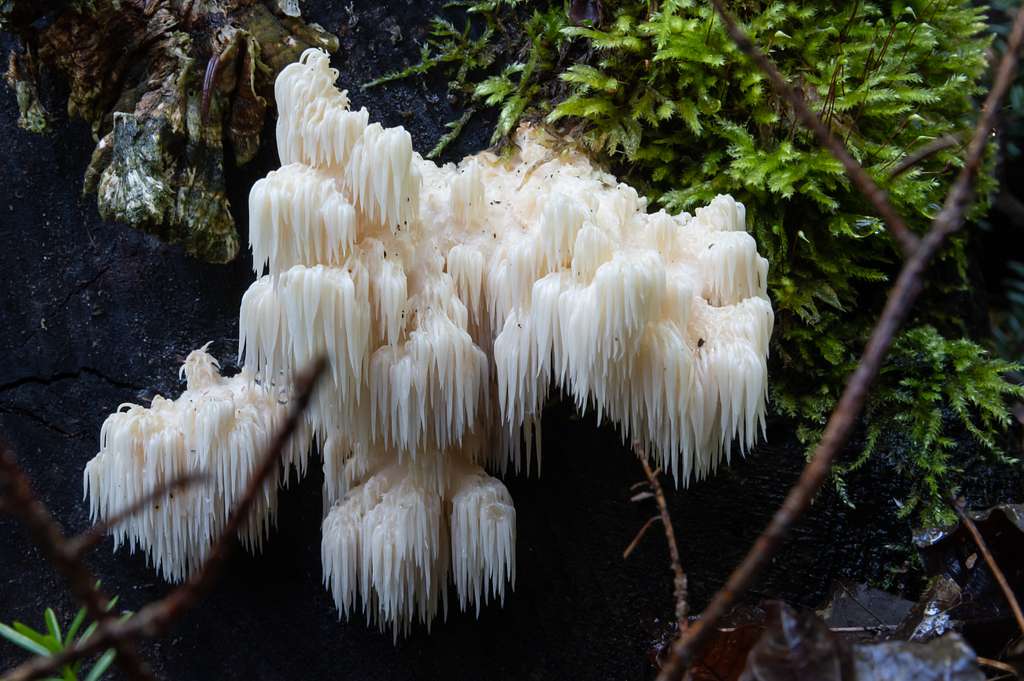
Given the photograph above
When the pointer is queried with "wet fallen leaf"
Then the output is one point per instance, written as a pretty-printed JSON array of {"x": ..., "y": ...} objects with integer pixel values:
[
  {"x": 863, "y": 614},
  {"x": 726, "y": 657},
  {"x": 796, "y": 645},
  {"x": 964, "y": 594}
]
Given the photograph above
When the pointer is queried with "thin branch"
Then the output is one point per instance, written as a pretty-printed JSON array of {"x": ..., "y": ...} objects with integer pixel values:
[
  {"x": 639, "y": 535},
  {"x": 997, "y": 664},
  {"x": 872, "y": 628},
  {"x": 679, "y": 579},
  {"x": 991, "y": 562},
  {"x": 155, "y": 618},
  {"x": 906, "y": 239},
  {"x": 935, "y": 146},
  {"x": 902, "y": 296},
  {"x": 22, "y": 503}
]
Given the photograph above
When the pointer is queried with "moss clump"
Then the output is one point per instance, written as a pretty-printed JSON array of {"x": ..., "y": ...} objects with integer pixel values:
[
  {"x": 934, "y": 387},
  {"x": 661, "y": 92}
]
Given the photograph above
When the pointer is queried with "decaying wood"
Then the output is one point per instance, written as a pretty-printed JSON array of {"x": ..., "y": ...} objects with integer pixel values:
[{"x": 168, "y": 86}]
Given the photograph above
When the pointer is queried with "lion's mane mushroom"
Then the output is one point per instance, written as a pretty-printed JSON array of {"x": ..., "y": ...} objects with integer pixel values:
[
  {"x": 219, "y": 428},
  {"x": 449, "y": 300}
]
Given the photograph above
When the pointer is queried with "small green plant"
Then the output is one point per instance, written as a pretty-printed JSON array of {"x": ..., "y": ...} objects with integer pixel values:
[
  {"x": 466, "y": 56},
  {"x": 52, "y": 641}
]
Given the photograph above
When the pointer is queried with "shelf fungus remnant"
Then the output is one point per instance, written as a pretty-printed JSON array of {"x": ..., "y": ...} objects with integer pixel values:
[
  {"x": 449, "y": 300},
  {"x": 165, "y": 85}
]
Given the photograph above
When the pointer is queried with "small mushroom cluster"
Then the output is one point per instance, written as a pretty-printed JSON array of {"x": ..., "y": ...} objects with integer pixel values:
[
  {"x": 449, "y": 300},
  {"x": 219, "y": 427}
]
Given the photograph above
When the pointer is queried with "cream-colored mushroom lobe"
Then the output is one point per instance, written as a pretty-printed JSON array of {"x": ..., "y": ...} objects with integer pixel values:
[{"x": 450, "y": 300}]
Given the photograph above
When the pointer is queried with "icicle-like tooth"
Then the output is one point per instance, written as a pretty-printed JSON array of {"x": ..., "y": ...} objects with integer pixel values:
[{"x": 731, "y": 268}]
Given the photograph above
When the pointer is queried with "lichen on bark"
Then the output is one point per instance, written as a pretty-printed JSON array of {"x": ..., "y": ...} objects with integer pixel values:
[
  {"x": 22, "y": 76},
  {"x": 167, "y": 86}
]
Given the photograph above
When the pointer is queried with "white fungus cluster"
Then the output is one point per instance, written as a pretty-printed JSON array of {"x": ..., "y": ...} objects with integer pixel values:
[
  {"x": 449, "y": 301},
  {"x": 219, "y": 428}
]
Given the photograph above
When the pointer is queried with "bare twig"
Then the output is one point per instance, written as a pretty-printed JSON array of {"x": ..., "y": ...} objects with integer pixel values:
[
  {"x": 839, "y": 630},
  {"x": 902, "y": 296},
  {"x": 679, "y": 575},
  {"x": 997, "y": 664},
  {"x": 209, "y": 83},
  {"x": 990, "y": 561},
  {"x": 24, "y": 505},
  {"x": 154, "y": 618},
  {"x": 639, "y": 535},
  {"x": 923, "y": 152},
  {"x": 906, "y": 239}
]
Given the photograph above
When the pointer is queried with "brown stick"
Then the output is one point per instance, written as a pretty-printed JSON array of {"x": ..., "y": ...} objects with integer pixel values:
[
  {"x": 154, "y": 618},
  {"x": 840, "y": 424},
  {"x": 997, "y": 664},
  {"x": 638, "y": 536},
  {"x": 930, "y": 149},
  {"x": 906, "y": 239},
  {"x": 24, "y": 505},
  {"x": 679, "y": 579},
  {"x": 991, "y": 562}
]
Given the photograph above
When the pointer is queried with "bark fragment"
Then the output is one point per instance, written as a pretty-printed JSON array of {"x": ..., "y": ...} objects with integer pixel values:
[{"x": 166, "y": 85}]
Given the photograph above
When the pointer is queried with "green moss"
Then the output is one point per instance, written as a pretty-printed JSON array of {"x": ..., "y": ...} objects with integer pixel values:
[
  {"x": 934, "y": 387},
  {"x": 663, "y": 95}
]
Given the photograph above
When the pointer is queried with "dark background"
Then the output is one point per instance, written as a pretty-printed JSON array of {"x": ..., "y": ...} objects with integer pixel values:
[{"x": 94, "y": 314}]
